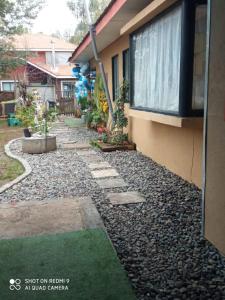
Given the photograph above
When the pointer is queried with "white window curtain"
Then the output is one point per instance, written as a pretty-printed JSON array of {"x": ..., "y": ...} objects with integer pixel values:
[
  {"x": 198, "y": 94},
  {"x": 157, "y": 51}
]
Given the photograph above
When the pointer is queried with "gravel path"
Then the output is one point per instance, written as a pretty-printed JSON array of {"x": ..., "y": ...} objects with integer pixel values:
[{"x": 158, "y": 242}]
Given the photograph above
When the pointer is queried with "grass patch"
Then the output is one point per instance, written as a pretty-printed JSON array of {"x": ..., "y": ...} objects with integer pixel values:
[
  {"x": 9, "y": 168},
  {"x": 3, "y": 123},
  {"x": 86, "y": 258}
]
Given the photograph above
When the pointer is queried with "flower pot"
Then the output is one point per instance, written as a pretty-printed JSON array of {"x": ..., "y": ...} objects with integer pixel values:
[{"x": 26, "y": 132}]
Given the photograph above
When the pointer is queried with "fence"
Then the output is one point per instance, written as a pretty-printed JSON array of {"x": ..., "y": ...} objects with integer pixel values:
[
  {"x": 4, "y": 97},
  {"x": 66, "y": 106}
]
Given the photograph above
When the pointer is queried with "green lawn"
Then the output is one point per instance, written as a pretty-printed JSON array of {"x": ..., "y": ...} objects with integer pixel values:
[
  {"x": 86, "y": 258},
  {"x": 2, "y": 123},
  {"x": 9, "y": 168}
]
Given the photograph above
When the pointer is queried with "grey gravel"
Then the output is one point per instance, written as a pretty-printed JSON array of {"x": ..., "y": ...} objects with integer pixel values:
[{"x": 158, "y": 241}]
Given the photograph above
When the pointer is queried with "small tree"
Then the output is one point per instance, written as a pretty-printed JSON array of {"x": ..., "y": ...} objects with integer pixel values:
[
  {"x": 15, "y": 17},
  {"x": 78, "y": 10}
]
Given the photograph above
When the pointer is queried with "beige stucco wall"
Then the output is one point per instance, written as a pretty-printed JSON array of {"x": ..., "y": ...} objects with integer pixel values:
[
  {"x": 177, "y": 148},
  {"x": 215, "y": 144}
]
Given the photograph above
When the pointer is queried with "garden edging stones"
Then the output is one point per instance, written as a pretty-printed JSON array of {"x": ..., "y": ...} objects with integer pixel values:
[{"x": 25, "y": 164}]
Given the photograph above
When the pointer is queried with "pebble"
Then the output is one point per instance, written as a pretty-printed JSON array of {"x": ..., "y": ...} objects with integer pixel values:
[{"x": 159, "y": 241}]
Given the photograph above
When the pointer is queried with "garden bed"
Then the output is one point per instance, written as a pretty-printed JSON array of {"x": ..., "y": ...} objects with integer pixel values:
[{"x": 106, "y": 147}]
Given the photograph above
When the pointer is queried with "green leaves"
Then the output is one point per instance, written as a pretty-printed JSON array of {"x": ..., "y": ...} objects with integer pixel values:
[
  {"x": 78, "y": 9},
  {"x": 120, "y": 120},
  {"x": 15, "y": 17}
]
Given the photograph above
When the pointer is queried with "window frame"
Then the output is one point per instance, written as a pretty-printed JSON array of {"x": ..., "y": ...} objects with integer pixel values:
[
  {"x": 10, "y": 82},
  {"x": 188, "y": 12},
  {"x": 113, "y": 75},
  {"x": 66, "y": 82},
  {"x": 126, "y": 52}
]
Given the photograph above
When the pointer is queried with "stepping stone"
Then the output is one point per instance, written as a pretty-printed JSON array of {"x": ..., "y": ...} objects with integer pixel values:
[
  {"x": 111, "y": 183},
  {"x": 90, "y": 215},
  {"x": 125, "y": 198},
  {"x": 91, "y": 159},
  {"x": 86, "y": 152},
  {"x": 46, "y": 217},
  {"x": 100, "y": 165},
  {"x": 74, "y": 145},
  {"x": 104, "y": 173}
]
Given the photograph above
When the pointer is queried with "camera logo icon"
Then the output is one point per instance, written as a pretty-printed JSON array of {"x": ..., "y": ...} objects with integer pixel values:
[{"x": 14, "y": 284}]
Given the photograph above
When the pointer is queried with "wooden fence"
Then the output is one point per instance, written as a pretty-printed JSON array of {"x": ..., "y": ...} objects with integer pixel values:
[
  {"x": 66, "y": 106},
  {"x": 6, "y": 96}
]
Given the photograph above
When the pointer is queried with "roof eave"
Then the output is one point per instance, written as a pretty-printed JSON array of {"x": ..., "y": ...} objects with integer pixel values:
[{"x": 87, "y": 40}]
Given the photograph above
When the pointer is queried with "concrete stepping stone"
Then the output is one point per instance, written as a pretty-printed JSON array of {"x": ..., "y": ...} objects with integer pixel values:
[
  {"x": 100, "y": 165},
  {"x": 73, "y": 145},
  {"x": 111, "y": 183},
  {"x": 105, "y": 173},
  {"x": 91, "y": 159},
  {"x": 86, "y": 152},
  {"x": 125, "y": 198},
  {"x": 46, "y": 217}
]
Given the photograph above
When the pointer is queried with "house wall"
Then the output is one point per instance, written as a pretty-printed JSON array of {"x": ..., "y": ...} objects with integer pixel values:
[
  {"x": 177, "y": 146},
  {"x": 215, "y": 143},
  {"x": 59, "y": 86}
]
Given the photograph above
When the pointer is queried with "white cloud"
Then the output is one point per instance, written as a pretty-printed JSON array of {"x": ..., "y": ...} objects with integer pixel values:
[{"x": 54, "y": 16}]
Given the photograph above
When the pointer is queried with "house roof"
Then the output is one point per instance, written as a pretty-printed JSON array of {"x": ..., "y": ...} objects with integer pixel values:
[
  {"x": 61, "y": 71},
  {"x": 40, "y": 42},
  {"x": 108, "y": 26}
]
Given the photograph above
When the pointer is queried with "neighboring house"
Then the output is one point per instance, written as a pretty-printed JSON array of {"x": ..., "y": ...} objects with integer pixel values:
[
  {"x": 46, "y": 69},
  {"x": 163, "y": 47}
]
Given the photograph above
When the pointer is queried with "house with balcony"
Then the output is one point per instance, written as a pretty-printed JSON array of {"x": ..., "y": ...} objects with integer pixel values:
[{"x": 46, "y": 66}]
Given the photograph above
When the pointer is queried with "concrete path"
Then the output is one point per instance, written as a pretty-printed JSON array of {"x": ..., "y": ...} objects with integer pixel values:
[{"x": 54, "y": 216}]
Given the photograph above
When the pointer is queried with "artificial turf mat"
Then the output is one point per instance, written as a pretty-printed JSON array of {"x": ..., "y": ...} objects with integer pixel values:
[{"x": 86, "y": 258}]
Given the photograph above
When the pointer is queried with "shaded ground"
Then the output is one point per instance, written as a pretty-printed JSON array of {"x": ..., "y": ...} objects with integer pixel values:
[
  {"x": 83, "y": 261},
  {"x": 159, "y": 241},
  {"x": 9, "y": 168}
]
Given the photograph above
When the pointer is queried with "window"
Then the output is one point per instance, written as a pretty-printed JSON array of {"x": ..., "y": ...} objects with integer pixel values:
[
  {"x": 61, "y": 58},
  {"x": 68, "y": 89},
  {"x": 8, "y": 86},
  {"x": 168, "y": 61},
  {"x": 156, "y": 70},
  {"x": 126, "y": 65},
  {"x": 115, "y": 77},
  {"x": 198, "y": 94}
]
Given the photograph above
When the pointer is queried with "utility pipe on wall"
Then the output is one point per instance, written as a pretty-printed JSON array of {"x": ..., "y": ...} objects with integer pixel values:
[
  {"x": 97, "y": 58},
  {"x": 205, "y": 119}
]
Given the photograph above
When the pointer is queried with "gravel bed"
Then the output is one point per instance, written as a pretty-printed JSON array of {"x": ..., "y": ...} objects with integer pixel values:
[{"x": 159, "y": 241}]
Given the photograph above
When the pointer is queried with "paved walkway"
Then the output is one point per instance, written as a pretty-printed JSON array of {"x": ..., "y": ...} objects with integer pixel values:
[{"x": 154, "y": 226}]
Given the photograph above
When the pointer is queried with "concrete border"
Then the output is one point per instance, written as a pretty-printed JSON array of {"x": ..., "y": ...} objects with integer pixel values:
[{"x": 25, "y": 164}]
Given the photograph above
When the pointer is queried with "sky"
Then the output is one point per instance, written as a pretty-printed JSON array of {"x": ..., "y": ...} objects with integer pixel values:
[{"x": 54, "y": 16}]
